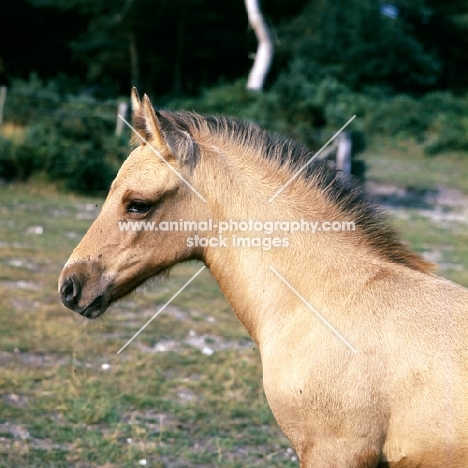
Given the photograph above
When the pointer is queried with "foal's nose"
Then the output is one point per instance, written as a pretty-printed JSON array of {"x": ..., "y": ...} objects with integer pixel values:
[{"x": 70, "y": 292}]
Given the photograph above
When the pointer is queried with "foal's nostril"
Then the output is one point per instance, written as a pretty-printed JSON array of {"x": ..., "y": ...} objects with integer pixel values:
[{"x": 70, "y": 291}]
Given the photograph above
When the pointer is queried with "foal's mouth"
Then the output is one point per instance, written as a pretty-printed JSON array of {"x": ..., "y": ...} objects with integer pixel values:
[{"x": 95, "y": 309}]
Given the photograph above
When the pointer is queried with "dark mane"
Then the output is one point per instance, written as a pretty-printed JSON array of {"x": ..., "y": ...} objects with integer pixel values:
[{"x": 351, "y": 199}]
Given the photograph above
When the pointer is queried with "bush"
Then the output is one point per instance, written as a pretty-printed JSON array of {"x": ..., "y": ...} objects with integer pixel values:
[
  {"x": 307, "y": 112},
  {"x": 72, "y": 146},
  {"x": 73, "y": 143},
  {"x": 311, "y": 111},
  {"x": 79, "y": 164}
]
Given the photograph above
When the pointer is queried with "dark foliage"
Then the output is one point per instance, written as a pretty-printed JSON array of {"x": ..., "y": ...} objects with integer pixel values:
[{"x": 72, "y": 147}]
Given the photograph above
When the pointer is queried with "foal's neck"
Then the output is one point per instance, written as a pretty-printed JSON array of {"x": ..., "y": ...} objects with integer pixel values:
[{"x": 323, "y": 267}]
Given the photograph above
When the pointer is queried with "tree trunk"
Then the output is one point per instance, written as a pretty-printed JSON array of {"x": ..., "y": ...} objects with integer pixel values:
[
  {"x": 264, "y": 55},
  {"x": 134, "y": 65},
  {"x": 178, "y": 59}
]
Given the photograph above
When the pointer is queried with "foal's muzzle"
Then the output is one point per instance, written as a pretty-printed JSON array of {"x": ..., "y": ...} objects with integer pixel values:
[{"x": 83, "y": 293}]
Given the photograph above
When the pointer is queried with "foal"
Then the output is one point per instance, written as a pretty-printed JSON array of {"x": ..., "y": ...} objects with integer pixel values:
[{"x": 364, "y": 351}]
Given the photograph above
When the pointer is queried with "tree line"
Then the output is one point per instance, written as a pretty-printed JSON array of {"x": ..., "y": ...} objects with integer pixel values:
[
  {"x": 398, "y": 65},
  {"x": 178, "y": 47}
]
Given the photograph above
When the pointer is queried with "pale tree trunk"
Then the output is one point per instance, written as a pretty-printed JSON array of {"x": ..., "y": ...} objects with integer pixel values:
[
  {"x": 343, "y": 154},
  {"x": 264, "y": 55}
]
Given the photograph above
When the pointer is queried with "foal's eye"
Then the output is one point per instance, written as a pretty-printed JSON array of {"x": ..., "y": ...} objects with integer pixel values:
[{"x": 138, "y": 207}]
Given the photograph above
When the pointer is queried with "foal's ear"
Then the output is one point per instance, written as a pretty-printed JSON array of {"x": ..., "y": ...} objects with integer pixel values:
[
  {"x": 136, "y": 102},
  {"x": 138, "y": 119},
  {"x": 153, "y": 127},
  {"x": 165, "y": 132},
  {"x": 145, "y": 122}
]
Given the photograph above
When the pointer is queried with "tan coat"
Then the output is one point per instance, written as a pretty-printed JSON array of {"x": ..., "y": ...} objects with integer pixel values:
[{"x": 394, "y": 391}]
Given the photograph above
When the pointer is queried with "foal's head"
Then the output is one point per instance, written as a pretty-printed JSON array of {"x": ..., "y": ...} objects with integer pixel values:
[
  {"x": 111, "y": 261},
  {"x": 156, "y": 183}
]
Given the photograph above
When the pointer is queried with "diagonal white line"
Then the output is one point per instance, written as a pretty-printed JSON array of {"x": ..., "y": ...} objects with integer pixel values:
[
  {"x": 312, "y": 309},
  {"x": 157, "y": 153},
  {"x": 312, "y": 158},
  {"x": 161, "y": 309}
]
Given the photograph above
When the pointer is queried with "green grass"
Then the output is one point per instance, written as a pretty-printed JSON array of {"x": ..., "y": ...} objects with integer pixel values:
[
  {"x": 428, "y": 230},
  {"x": 403, "y": 162},
  {"x": 178, "y": 408}
]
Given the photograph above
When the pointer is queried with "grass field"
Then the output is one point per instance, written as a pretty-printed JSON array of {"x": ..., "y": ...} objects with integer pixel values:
[
  {"x": 187, "y": 392},
  {"x": 427, "y": 197}
]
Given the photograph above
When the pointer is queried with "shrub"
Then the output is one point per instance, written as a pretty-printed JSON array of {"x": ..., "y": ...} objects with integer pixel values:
[
  {"x": 73, "y": 147},
  {"x": 73, "y": 143}
]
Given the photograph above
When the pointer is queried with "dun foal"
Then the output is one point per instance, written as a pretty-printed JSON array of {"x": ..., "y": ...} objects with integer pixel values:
[{"x": 394, "y": 391}]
